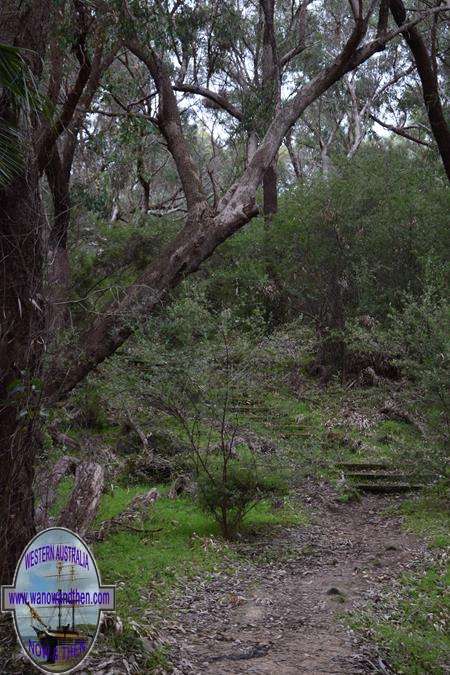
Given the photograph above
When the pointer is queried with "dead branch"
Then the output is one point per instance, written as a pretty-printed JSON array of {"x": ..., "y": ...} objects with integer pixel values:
[
  {"x": 392, "y": 412},
  {"x": 136, "y": 511},
  {"x": 63, "y": 439},
  {"x": 144, "y": 438}
]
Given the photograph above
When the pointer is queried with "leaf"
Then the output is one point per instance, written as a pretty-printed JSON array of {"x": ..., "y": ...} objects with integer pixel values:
[
  {"x": 17, "y": 81},
  {"x": 11, "y": 157}
]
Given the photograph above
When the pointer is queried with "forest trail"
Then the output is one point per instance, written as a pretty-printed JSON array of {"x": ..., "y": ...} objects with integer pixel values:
[{"x": 281, "y": 613}]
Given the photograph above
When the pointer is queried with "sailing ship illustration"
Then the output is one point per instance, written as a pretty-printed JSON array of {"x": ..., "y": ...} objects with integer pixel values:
[{"x": 70, "y": 639}]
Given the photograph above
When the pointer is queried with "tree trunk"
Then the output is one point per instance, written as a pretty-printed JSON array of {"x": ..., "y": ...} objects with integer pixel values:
[
  {"x": 47, "y": 488},
  {"x": 203, "y": 231},
  {"x": 58, "y": 276},
  {"x": 21, "y": 342},
  {"x": 270, "y": 192},
  {"x": 270, "y": 98},
  {"x": 430, "y": 86},
  {"x": 82, "y": 507},
  {"x": 145, "y": 197},
  {"x": 22, "y": 318}
]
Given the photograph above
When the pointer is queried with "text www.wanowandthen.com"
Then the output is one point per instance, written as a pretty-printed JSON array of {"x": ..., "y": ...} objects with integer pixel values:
[{"x": 55, "y": 598}]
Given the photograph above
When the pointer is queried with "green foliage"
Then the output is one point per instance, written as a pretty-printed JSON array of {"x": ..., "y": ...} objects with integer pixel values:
[
  {"x": 368, "y": 240},
  {"x": 184, "y": 542},
  {"x": 229, "y": 488},
  {"x": 419, "y": 332},
  {"x": 92, "y": 408},
  {"x": 188, "y": 319},
  {"x": 429, "y": 515},
  {"x": 110, "y": 258},
  {"x": 10, "y": 153},
  {"x": 17, "y": 83}
]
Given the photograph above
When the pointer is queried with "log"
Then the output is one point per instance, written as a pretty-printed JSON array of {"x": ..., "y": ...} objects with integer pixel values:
[
  {"x": 392, "y": 412},
  {"x": 178, "y": 487},
  {"x": 63, "y": 439},
  {"x": 47, "y": 489},
  {"x": 135, "y": 511},
  {"x": 82, "y": 506},
  {"x": 144, "y": 438}
]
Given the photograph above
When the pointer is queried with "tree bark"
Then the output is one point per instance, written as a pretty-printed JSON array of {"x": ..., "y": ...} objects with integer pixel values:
[
  {"x": 58, "y": 274},
  {"x": 270, "y": 100},
  {"x": 270, "y": 192},
  {"x": 430, "y": 86},
  {"x": 21, "y": 342},
  {"x": 82, "y": 507},
  {"x": 22, "y": 320},
  {"x": 57, "y": 164},
  {"x": 47, "y": 488}
]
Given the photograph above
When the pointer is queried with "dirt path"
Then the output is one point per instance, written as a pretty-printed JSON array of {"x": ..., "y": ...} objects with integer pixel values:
[{"x": 281, "y": 615}]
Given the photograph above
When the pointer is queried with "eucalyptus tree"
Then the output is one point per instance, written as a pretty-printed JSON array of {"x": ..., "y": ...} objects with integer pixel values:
[
  {"x": 27, "y": 29},
  {"x": 146, "y": 36},
  {"x": 73, "y": 78},
  {"x": 425, "y": 60}
]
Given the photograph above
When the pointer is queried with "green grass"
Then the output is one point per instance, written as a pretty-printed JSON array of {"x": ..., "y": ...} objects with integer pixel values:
[
  {"x": 187, "y": 541},
  {"x": 429, "y": 515},
  {"x": 148, "y": 566},
  {"x": 411, "y": 624},
  {"x": 63, "y": 494},
  {"x": 311, "y": 436}
]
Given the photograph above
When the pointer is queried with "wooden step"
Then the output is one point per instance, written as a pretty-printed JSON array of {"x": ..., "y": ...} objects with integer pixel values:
[
  {"x": 364, "y": 466},
  {"x": 376, "y": 476},
  {"x": 386, "y": 488}
]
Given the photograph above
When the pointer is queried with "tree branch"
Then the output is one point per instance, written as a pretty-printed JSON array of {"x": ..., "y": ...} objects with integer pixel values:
[
  {"x": 221, "y": 100},
  {"x": 400, "y": 132}
]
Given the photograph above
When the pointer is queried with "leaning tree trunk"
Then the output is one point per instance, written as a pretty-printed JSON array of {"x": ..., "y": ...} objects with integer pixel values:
[
  {"x": 429, "y": 82},
  {"x": 21, "y": 323}
]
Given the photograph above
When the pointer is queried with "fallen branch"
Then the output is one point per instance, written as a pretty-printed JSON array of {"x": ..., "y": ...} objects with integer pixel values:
[
  {"x": 144, "y": 438},
  {"x": 392, "y": 412},
  {"x": 63, "y": 439},
  {"x": 136, "y": 510}
]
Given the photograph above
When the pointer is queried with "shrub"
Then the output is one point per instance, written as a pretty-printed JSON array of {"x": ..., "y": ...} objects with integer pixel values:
[
  {"x": 229, "y": 487},
  {"x": 419, "y": 332},
  {"x": 92, "y": 408}
]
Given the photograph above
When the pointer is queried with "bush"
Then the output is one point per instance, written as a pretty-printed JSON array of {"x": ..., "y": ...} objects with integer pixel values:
[
  {"x": 229, "y": 488},
  {"x": 419, "y": 332},
  {"x": 92, "y": 408}
]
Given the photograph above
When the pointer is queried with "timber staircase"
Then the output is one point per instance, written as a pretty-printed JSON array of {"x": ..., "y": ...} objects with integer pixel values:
[{"x": 377, "y": 477}]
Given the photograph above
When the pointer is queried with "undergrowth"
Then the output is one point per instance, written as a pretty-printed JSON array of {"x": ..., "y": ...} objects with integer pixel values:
[{"x": 411, "y": 623}]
